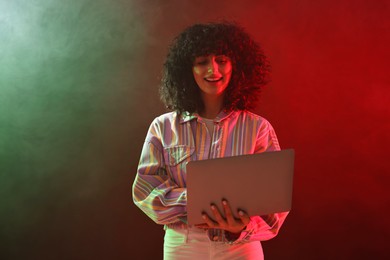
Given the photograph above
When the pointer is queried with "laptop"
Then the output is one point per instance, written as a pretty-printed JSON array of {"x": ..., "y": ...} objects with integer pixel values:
[{"x": 258, "y": 184}]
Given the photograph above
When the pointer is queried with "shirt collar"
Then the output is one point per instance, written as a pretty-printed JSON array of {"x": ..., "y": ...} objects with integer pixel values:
[{"x": 187, "y": 116}]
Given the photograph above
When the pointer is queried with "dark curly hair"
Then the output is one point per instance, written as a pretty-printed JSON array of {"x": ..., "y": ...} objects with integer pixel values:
[{"x": 251, "y": 68}]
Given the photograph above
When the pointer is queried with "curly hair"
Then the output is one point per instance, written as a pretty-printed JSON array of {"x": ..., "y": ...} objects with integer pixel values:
[{"x": 251, "y": 68}]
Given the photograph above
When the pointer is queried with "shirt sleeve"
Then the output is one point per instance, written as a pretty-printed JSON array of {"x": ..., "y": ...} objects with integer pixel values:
[
  {"x": 154, "y": 192},
  {"x": 264, "y": 227},
  {"x": 261, "y": 228},
  {"x": 266, "y": 140}
]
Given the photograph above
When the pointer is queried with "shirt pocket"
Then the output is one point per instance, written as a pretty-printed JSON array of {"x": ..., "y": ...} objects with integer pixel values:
[{"x": 178, "y": 154}]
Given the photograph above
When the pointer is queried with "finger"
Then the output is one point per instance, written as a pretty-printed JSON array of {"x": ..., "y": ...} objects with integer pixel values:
[
  {"x": 209, "y": 222},
  {"x": 244, "y": 217},
  {"x": 202, "y": 226},
  {"x": 228, "y": 212},
  {"x": 217, "y": 215}
]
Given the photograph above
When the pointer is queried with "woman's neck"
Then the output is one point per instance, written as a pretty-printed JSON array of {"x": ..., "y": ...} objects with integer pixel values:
[{"x": 212, "y": 106}]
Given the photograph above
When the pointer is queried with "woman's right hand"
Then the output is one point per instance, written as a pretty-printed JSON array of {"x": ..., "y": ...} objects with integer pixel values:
[{"x": 228, "y": 223}]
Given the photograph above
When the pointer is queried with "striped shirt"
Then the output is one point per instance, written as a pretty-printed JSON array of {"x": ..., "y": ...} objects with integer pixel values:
[{"x": 173, "y": 139}]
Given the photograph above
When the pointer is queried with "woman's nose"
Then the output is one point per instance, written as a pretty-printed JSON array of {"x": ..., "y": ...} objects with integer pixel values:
[{"x": 213, "y": 67}]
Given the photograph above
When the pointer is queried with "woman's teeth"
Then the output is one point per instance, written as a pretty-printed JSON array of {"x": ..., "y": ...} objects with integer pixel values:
[{"x": 213, "y": 79}]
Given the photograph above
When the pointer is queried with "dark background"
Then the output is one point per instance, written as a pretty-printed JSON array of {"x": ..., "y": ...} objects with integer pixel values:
[{"x": 78, "y": 90}]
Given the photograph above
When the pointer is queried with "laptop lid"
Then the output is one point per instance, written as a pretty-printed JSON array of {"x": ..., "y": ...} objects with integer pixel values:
[{"x": 258, "y": 184}]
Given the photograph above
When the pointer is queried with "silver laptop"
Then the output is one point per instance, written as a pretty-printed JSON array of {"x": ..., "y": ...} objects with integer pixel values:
[{"x": 258, "y": 184}]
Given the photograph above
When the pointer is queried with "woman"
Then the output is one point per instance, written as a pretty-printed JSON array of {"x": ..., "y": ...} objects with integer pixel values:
[{"x": 212, "y": 75}]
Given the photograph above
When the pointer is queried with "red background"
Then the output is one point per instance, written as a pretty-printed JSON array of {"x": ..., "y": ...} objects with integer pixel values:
[{"x": 329, "y": 99}]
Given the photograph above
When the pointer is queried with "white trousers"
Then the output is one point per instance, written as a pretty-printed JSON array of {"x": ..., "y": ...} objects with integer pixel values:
[{"x": 182, "y": 242}]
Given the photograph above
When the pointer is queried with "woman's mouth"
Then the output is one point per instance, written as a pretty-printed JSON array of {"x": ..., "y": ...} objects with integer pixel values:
[{"x": 213, "y": 79}]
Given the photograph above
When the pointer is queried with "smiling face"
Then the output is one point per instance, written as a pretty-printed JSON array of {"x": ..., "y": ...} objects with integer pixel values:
[{"x": 212, "y": 73}]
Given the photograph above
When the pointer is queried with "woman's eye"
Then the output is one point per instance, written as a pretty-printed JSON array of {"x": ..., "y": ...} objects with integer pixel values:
[
  {"x": 222, "y": 59},
  {"x": 201, "y": 62}
]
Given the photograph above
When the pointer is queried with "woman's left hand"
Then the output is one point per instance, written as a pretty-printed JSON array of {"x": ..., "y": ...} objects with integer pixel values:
[{"x": 229, "y": 223}]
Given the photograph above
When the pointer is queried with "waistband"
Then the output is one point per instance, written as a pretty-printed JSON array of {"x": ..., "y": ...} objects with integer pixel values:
[
  {"x": 177, "y": 225},
  {"x": 214, "y": 235}
]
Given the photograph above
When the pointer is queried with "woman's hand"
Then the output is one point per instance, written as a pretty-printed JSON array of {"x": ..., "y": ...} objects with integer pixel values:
[{"x": 229, "y": 223}]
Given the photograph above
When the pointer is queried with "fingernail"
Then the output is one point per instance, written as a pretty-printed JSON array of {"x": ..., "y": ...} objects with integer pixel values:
[
  {"x": 204, "y": 216},
  {"x": 241, "y": 213},
  {"x": 224, "y": 202},
  {"x": 212, "y": 207}
]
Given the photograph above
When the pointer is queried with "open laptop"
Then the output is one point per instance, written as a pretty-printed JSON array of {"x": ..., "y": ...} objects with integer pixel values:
[{"x": 258, "y": 184}]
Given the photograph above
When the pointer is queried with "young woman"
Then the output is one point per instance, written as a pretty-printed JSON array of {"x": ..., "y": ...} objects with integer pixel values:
[{"x": 212, "y": 75}]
